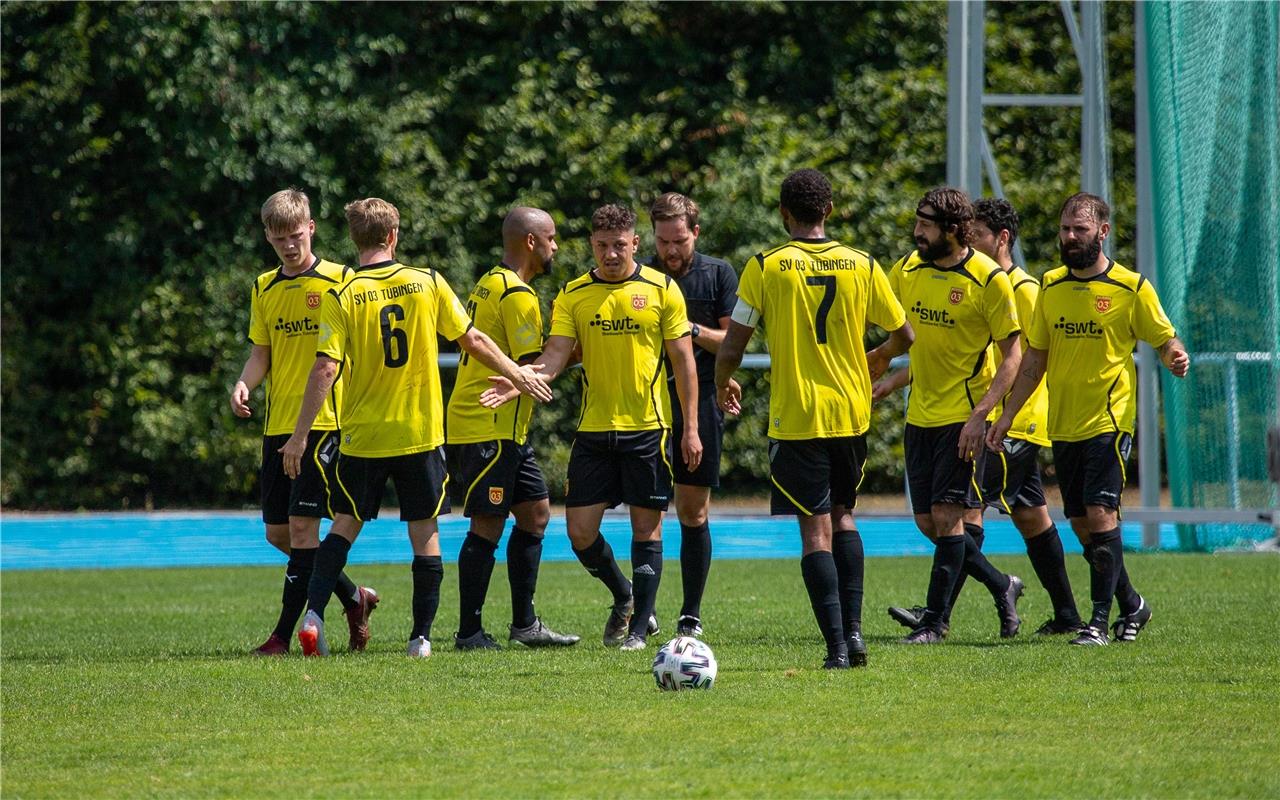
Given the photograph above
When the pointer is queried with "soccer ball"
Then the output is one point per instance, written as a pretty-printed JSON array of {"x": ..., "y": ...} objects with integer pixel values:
[{"x": 684, "y": 663}]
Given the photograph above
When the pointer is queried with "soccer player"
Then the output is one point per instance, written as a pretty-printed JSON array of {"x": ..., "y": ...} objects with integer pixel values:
[
  {"x": 380, "y": 329},
  {"x": 625, "y": 316},
  {"x": 1011, "y": 479},
  {"x": 1089, "y": 317},
  {"x": 961, "y": 302},
  {"x": 492, "y": 467},
  {"x": 710, "y": 287},
  {"x": 816, "y": 297},
  {"x": 284, "y": 315}
]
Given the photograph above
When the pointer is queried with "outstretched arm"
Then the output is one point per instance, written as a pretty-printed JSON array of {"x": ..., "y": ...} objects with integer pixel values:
[
  {"x": 525, "y": 379},
  {"x": 547, "y": 366}
]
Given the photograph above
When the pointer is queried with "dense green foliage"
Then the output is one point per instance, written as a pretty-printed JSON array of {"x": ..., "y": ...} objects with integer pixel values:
[
  {"x": 140, "y": 140},
  {"x": 157, "y": 697}
]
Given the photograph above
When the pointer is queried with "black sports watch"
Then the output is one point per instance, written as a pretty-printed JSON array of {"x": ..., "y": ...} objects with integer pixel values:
[{"x": 694, "y": 329}]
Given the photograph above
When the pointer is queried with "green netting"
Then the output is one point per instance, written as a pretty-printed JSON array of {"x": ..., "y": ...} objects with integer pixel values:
[{"x": 1213, "y": 90}]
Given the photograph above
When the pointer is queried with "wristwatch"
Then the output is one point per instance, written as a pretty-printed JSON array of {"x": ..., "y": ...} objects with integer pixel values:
[{"x": 694, "y": 329}]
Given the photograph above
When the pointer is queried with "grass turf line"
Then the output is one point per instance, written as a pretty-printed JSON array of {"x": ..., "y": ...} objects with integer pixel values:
[{"x": 134, "y": 682}]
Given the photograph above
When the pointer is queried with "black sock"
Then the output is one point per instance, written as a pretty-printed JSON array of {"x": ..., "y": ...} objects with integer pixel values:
[
  {"x": 948, "y": 565},
  {"x": 598, "y": 558},
  {"x": 646, "y": 574},
  {"x": 1047, "y": 559},
  {"x": 822, "y": 581},
  {"x": 846, "y": 549},
  {"x": 977, "y": 565},
  {"x": 330, "y": 559},
  {"x": 695, "y": 563},
  {"x": 1107, "y": 560},
  {"x": 979, "y": 536},
  {"x": 347, "y": 592},
  {"x": 1127, "y": 598},
  {"x": 524, "y": 554},
  {"x": 428, "y": 574},
  {"x": 475, "y": 567},
  {"x": 297, "y": 578}
]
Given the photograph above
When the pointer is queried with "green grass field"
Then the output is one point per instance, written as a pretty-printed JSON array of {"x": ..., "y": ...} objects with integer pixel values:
[{"x": 134, "y": 683}]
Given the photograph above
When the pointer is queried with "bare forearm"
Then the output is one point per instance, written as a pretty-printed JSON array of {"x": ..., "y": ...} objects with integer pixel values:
[
  {"x": 481, "y": 348},
  {"x": 709, "y": 339},
  {"x": 256, "y": 367},
  {"x": 319, "y": 384},
  {"x": 729, "y": 357},
  {"x": 1030, "y": 373}
]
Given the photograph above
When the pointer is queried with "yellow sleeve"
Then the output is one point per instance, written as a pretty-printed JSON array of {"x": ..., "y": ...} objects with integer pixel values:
[
  {"x": 451, "y": 318},
  {"x": 258, "y": 333},
  {"x": 883, "y": 307},
  {"x": 675, "y": 315},
  {"x": 1002, "y": 316},
  {"x": 751, "y": 284},
  {"x": 522, "y": 321},
  {"x": 1038, "y": 330},
  {"x": 332, "y": 339},
  {"x": 1150, "y": 323},
  {"x": 562, "y": 318}
]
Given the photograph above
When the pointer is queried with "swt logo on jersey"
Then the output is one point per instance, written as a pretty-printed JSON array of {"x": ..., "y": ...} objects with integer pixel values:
[
  {"x": 1079, "y": 330},
  {"x": 296, "y": 327},
  {"x": 616, "y": 327},
  {"x": 937, "y": 317}
]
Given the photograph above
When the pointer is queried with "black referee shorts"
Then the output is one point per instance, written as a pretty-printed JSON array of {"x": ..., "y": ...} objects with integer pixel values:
[
  {"x": 710, "y": 430},
  {"x": 935, "y": 471},
  {"x": 308, "y": 494},
  {"x": 1091, "y": 472},
  {"x": 1012, "y": 479},
  {"x": 488, "y": 478},
  {"x": 420, "y": 481},
  {"x": 810, "y": 476},
  {"x": 612, "y": 467}
]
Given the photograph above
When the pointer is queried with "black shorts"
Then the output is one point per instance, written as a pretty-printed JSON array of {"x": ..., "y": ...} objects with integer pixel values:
[
  {"x": 491, "y": 477},
  {"x": 1012, "y": 479},
  {"x": 935, "y": 471},
  {"x": 1091, "y": 472},
  {"x": 308, "y": 495},
  {"x": 711, "y": 431},
  {"x": 612, "y": 467},
  {"x": 420, "y": 480},
  {"x": 809, "y": 476}
]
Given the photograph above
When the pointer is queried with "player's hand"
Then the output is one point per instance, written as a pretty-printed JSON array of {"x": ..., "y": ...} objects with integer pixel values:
[
  {"x": 880, "y": 390},
  {"x": 877, "y": 364},
  {"x": 240, "y": 400},
  {"x": 500, "y": 392},
  {"x": 997, "y": 432},
  {"x": 534, "y": 384},
  {"x": 691, "y": 449},
  {"x": 729, "y": 398},
  {"x": 972, "y": 438},
  {"x": 1178, "y": 363},
  {"x": 292, "y": 453}
]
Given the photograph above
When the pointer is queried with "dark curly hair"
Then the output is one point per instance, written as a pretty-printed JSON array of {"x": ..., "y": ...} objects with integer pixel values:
[
  {"x": 998, "y": 215},
  {"x": 613, "y": 217},
  {"x": 953, "y": 209},
  {"x": 806, "y": 193}
]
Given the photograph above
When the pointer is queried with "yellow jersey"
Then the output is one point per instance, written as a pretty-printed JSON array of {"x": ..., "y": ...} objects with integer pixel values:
[
  {"x": 1032, "y": 422},
  {"x": 622, "y": 326},
  {"x": 284, "y": 315},
  {"x": 506, "y": 309},
  {"x": 816, "y": 297},
  {"x": 382, "y": 327},
  {"x": 957, "y": 313},
  {"x": 1090, "y": 326}
]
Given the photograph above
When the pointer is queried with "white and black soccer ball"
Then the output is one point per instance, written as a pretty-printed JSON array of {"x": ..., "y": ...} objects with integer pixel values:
[{"x": 684, "y": 663}]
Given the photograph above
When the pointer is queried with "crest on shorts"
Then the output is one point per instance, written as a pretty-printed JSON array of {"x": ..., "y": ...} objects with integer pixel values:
[
  {"x": 1102, "y": 303},
  {"x": 957, "y": 296},
  {"x": 639, "y": 301},
  {"x": 313, "y": 300},
  {"x": 495, "y": 495}
]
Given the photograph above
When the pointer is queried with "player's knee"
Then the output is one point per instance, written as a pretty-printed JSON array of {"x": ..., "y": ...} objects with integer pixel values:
[
  {"x": 1101, "y": 518},
  {"x": 278, "y": 537},
  {"x": 304, "y": 532}
]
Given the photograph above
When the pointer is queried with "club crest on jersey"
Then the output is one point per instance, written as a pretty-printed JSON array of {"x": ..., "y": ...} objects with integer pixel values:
[
  {"x": 639, "y": 301},
  {"x": 495, "y": 495},
  {"x": 957, "y": 296},
  {"x": 1102, "y": 303},
  {"x": 313, "y": 299}
]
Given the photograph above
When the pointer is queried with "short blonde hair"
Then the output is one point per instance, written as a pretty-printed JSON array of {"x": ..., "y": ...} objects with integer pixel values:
[
  {"x": 370, "y": 222},
  {"x": 286, "y": 210},
  {"x": 674, "y": 205}
]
